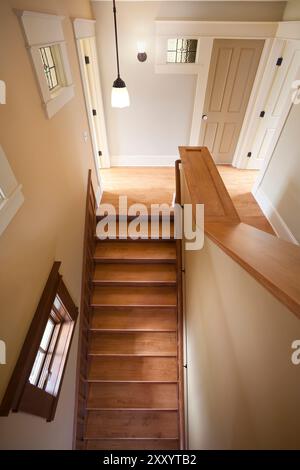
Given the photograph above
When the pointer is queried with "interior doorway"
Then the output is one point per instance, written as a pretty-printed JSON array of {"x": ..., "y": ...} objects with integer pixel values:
[
  {"x": 232, "y": 72},
  {"x": 93, "y": 98}
]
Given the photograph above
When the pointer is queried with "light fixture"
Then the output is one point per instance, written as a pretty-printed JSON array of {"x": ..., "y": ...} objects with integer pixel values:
[
  {"x": 2, "y": 92},
  {"x": 119, "y": 93},
  {"x": 141, "y": 48}
]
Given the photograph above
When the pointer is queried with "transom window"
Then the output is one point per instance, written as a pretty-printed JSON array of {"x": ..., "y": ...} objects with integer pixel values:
[
  {"x": 50, "y": 67},
  {"x": 182, "y": 51}
]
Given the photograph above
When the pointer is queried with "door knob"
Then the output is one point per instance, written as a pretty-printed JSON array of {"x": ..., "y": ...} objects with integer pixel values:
[{"x": 204, "y": 117}]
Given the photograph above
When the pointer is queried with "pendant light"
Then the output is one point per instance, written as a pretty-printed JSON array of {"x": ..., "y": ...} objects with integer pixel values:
[{"x": 119, "y": 93}]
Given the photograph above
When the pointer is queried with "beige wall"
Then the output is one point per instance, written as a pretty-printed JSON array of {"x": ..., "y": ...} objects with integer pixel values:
[
  {"x": 292, "y": 10},
  {"x": 281, "y": 182},
  {"x": 51, "y": 160},
  {"x": 243, "y": 390},
  {"x": 160, "y": 115}
]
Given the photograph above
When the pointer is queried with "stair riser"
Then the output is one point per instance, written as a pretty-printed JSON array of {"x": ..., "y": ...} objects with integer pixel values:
[
  {"x": 134, "y": 343},
  {"x": 133, "y": 368},
  {"x": 109, "y": 395},
  {"x": 141, "y": 318},
  {"x": 131, "y": 444},
  {"x": 132, "y": 424}
]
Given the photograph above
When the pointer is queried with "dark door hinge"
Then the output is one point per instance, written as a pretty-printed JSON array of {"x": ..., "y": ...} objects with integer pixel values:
[
  {"x": 262, "y": 114},
  {"x": 185, "y": 366},
  {"x": 99, "y": 153},
  {"x": 279, "y": 61},
  {"x": 87, "y": 59},
  {"x": 249, "y": 154},
  {"x": 94, "y": 112}
]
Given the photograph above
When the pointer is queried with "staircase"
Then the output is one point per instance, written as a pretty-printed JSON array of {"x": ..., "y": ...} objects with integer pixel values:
[{"x": 131, "y": 397}]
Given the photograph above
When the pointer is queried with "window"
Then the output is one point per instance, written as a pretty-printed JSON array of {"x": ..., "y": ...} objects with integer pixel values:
[
  {"x": 36, "y": 381},
  {"x": 182, "y": 51},
  {"x": 11, "y": 197},
  {"x": 46, "y": 43},
  {"x": 50, "y": 67}
]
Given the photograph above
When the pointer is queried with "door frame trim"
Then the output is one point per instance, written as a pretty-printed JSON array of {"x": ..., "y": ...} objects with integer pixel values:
[
  {"x": 86, "y": 29},
  {"x": 206, "y": 32}
]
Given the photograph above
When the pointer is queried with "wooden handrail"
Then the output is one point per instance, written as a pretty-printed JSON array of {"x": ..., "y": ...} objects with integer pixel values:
[
  {"x": 180, "y": 329},
  {"x": 87, "y": 274},
  {"x": 273, "y": 262}
]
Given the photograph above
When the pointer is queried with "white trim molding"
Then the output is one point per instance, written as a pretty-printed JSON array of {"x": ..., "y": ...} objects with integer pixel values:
[
  {"x": 280, "y": 227},
  {"x": 84, "y": 28},
  {"x": 42, "y": 30},
  {"x": 11, "y": 192},
  {"x": 143, "y": 160},
  {"x": 288, "y": 30}
]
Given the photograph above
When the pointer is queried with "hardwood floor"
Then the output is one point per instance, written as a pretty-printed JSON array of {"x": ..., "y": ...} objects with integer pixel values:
[
  {"x": 239, "y": 184},
  {"x": 146, "y": 185},
  {"x": 152, "y": 185}
]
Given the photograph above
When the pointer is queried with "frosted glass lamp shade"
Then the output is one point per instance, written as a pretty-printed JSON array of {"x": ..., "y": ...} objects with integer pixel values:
[{"x": 119, "y": 94}]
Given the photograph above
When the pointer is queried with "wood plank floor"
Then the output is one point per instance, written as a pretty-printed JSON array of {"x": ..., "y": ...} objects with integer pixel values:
[
  {"x": 239, "y": 184},
  {"x": 152, "y": 185}
]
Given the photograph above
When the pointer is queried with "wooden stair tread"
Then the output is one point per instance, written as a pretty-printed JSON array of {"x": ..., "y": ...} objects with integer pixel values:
[
  {"x": 133, "y": 343},
  {"x": 131, "y": 424},
  {"x": 134, "y": 296},
  {"x": 135, "y": 273},
  {"x": 135, "y": 251},
  {"x": 157, "y": 230},
  {"x": 134, "y": 318},
  {"x": 133, "y": 368}
]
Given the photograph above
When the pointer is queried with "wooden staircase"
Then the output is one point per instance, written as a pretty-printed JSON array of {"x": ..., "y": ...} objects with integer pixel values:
[{"x": 129, "y": 386}]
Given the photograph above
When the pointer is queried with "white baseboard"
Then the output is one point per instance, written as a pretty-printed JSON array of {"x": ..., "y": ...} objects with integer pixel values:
[
  {"x": 143, "y": 160},
  {"x": 273, "y": 216}
]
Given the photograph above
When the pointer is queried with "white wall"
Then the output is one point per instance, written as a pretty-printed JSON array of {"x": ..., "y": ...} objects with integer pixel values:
[
  {"x": 243, "y": 390},
  {"x": 281, "y": 183},
  {"x": 159, "y": 118},
  {"x": 51, "y": 160},
  {"x": 292, "y": 10}
]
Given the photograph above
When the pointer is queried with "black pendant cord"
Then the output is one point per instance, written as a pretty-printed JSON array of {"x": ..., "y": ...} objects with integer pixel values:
[{"x": 116, "y": 37}]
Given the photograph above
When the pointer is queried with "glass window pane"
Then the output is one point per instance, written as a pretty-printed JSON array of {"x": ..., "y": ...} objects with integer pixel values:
[
  {"x": 184, "y": 52},
  {"x": 36, "y": 369},
  {"x": 171, "y": 57},
  {"x": 49, "y": 56},
  {"x": 172, "y": 44},
  {"x": 53, "y": 77},
  {"x": 47, "y": 334}
]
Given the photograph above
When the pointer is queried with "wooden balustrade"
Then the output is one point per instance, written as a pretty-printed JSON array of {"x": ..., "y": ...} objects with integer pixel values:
[
  {"x": 87, "y": 276},
  {"x": 273, "y": 262}
]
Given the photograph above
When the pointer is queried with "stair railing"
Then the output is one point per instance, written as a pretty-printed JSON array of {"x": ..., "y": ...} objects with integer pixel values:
[{"x": 86, "y": 290}]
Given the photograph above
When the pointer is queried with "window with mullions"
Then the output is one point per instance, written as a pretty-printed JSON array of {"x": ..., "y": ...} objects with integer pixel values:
[
  {"x": 36, "y": 382},
  {"x": 41, "y": 371},
  {"x": 50, "y": 67},
  {"x": 182, "y": 51}
]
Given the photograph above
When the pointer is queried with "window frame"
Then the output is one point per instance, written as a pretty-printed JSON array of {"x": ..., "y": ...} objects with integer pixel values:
[
  {"x": 43, "y": 30},
  {"x": 20, "y": 394}
]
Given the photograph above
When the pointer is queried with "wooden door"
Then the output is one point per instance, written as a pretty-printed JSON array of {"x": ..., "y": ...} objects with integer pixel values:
[
  {"x": 277, "y": 104},
  {"x": 232, "y": 72}
]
